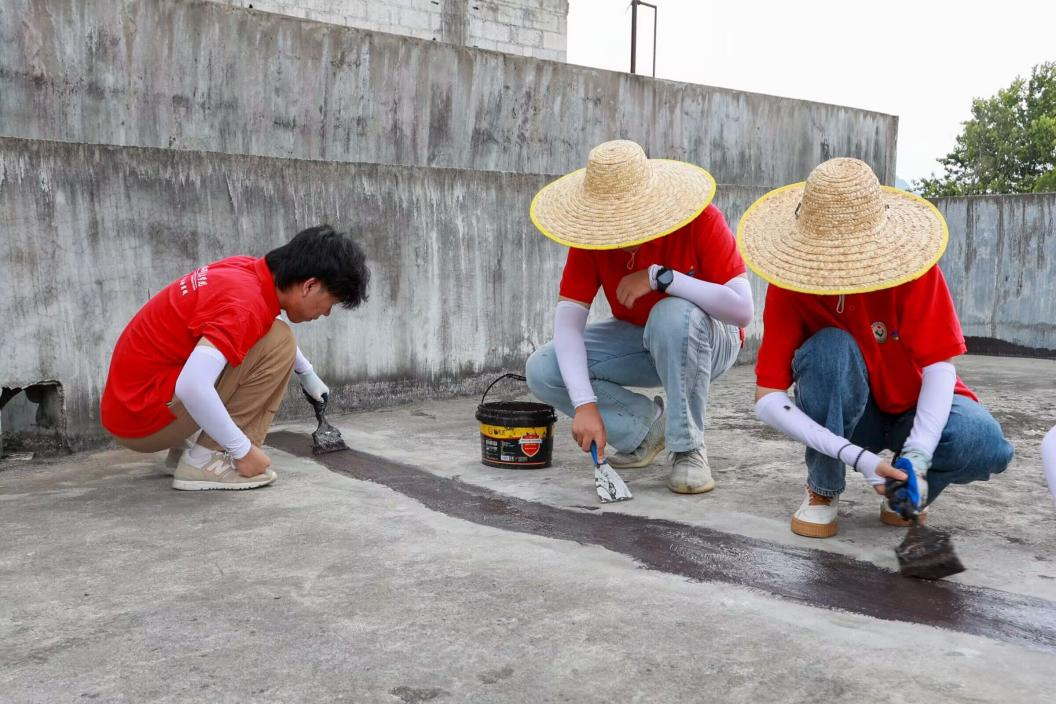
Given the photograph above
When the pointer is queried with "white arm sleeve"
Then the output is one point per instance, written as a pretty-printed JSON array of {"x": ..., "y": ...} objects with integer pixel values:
[
  {"x": 933, "y": 408},
  {"x": 196, "y": 391},
  {"x": 569, "y": 321},
  {"x": 730, "y": 302},
  {"x": 1048, "y": 460},
  {"x": 777, "y": 410},
  {"x": 301, "y": 365}
]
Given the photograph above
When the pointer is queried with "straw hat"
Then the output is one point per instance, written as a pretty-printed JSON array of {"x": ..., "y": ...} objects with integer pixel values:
[
  {"x": 621, "y": 199},
  {"x": 841, "y": 232}
]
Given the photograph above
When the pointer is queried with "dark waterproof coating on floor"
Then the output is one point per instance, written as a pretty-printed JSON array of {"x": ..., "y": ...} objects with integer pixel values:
[{"x": 927, "y": 553}]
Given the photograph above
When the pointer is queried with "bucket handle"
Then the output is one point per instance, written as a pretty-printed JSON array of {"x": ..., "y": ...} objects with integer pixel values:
[{"x": 504, "y": 376}]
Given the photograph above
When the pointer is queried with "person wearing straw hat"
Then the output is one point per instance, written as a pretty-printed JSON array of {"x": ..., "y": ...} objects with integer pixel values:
[
  {"x": 858, "y": 318},
  {"x": 645, "y": 232}
]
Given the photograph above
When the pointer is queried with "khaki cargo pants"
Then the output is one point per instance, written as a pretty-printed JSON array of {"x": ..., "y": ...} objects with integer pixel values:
[{"x": 251, "y": 392}]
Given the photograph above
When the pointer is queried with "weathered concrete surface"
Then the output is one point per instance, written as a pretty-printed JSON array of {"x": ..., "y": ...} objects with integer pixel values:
[
  {"x": 323, "y": 588},
  {"x": 462, "y": 283},
  {"x": 1001, "y": 265},
  {"x": 1003, "y": 528},
  {"x": 203, "y": 76}
]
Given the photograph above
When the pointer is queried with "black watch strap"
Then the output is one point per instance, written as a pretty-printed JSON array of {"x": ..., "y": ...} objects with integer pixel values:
[{"x": 664, "y": 278}]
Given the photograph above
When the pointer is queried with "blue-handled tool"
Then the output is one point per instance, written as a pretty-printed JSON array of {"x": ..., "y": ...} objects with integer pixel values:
[
  {"x": 904, "y": 494},
  {"x": 608, "y": 483},
  {"x": 925, "y": 553}
]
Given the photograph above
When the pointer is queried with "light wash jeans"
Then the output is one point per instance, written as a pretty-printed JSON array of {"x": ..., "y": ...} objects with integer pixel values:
[
  {"x": 832, "y": 387},
  {"x": 680, "y": 348}
]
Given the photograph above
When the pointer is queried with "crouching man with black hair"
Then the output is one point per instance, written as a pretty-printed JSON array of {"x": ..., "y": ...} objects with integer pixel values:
[{"x": 201, "y": 368}]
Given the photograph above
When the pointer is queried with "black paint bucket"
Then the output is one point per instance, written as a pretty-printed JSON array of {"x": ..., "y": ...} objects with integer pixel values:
[{"x": 515, "y": 434}]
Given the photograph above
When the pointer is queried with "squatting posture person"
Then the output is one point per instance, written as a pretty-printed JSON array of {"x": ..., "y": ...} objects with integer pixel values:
[
  {"x": 858, "y": 318},
  {"x": 208, "y": 354},
  {"x": 644, "y": 231}
]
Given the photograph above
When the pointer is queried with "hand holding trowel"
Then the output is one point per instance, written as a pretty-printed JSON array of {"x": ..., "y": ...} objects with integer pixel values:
[
  {"x": 326, "y": 437},
  {"x": 926, "y": 553}
]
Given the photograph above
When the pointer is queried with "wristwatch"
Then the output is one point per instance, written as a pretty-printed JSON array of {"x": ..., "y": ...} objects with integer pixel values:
[{"x": 664, "y": 278}]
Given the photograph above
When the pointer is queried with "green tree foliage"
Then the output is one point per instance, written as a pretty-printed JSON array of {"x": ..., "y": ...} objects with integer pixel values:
[{"x": 1009, "y": 145}]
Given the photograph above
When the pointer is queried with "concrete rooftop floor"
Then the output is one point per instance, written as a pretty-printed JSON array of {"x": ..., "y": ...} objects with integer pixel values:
[{"x": 325, "y": 587}]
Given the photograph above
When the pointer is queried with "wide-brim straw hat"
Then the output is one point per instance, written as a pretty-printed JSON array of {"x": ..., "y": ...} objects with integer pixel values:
[
  {"x": 841, "y": 232},
  {"x": 621, "y": 199}
]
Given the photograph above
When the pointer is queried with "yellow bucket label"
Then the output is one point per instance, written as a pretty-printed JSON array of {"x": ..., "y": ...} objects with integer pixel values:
[{"x": 503, "y": 432}]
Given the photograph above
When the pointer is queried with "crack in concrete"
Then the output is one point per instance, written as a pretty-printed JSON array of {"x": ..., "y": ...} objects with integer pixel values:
[{"x": 811, "y": 577}]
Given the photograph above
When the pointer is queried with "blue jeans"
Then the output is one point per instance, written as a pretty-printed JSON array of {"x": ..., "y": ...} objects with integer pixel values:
[
  {"x": 832, "y": 387},
  {"x": 680, "y": 348}
]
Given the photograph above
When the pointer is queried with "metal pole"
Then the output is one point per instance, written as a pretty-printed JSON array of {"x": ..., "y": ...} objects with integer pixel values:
[
  {"x": 634, "y": 32},
  {"x": 654, "y": 40}
]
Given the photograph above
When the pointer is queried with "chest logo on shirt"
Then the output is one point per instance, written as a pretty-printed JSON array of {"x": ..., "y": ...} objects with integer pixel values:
[{"x": 880, "y": 332}]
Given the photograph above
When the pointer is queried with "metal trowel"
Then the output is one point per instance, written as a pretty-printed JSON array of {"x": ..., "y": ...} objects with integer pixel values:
[
  {"x": 607, "y": 482},
  {"x": 326, "y": 437}
]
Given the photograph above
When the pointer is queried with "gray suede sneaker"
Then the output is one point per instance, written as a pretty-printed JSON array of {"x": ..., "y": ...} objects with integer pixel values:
[
  {"x": 172, "y": 460},
  {"x": 690, "y": 472},
  {"x": 651, "y": 446},
  {"x": 218, "y": 473}
]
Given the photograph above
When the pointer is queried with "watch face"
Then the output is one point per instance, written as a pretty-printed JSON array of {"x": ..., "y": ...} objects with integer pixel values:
[{"x": 665, "y": 278}]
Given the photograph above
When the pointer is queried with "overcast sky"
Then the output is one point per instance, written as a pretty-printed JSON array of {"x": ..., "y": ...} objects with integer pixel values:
[{"x": 923, "y": 61}]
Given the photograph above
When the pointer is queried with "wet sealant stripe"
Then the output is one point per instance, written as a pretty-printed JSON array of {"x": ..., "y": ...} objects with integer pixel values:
[{"x": 811, "y": 577}]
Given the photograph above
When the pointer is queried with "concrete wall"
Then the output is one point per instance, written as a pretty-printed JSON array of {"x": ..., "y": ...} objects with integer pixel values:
[
  {"x": 1001, "y": 265},
  {"x": 226, "y": 130},
  {"x": 535, "y": 28},
  {"x": 462, "y": 283},
  {"x": 205, "y": 76}
]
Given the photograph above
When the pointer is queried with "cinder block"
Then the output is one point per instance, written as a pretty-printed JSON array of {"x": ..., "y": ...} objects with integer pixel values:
[
  {"x": 355, "y": 8},
  {"x": 414, "y": 19},
  {"x": 528, "y": 37},
  {"x": 380, "y": 13},
  {"x": 553, "y": 41},
  {"x": 496, "y": 32},
  {"x": 548, "y": 22}
]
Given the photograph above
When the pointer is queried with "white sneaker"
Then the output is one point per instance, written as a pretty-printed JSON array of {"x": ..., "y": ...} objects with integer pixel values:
[
  {"x": 690, "y": 472},
  {"x": 816, "y": 516},
  {"x": 172, "y": 459},
  {"x": 218, "y": 473}
]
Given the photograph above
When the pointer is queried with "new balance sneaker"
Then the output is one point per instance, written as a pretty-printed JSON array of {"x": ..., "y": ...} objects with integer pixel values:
[
  {"x": 816, "y": 516},
  {"x": 651, "y": 446},
  {"x": 172, "y": 460},
  {"x": 690, "y": 472},
  {"x": 893, "y": 518},
  {"x": 218, "y": 473}
]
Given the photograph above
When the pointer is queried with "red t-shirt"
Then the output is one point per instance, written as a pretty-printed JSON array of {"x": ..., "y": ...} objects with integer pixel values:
[
  {"x": 899, "y": 330},
  {"x": 704, "y": 249},
  {"x": 232, "y": 303}
]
